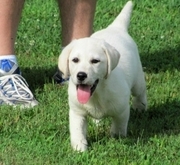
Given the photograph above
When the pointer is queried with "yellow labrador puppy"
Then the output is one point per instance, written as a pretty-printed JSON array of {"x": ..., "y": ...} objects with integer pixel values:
[{"x": 104, "y": 70}]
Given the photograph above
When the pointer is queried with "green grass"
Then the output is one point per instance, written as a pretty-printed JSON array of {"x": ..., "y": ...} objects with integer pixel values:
[{"x": 40, "y": 136}]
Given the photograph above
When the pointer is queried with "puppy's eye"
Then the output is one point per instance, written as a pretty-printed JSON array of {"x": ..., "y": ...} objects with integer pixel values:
[
  {"x": 75, "y": 60},
  {"x": 94, "y": 61}
]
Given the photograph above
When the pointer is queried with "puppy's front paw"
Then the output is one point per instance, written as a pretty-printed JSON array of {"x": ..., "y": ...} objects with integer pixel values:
[{"x": 79, "y": 145}]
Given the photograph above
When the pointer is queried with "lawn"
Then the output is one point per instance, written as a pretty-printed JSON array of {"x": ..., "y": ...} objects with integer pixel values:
[{"x": 40, "y": 136}]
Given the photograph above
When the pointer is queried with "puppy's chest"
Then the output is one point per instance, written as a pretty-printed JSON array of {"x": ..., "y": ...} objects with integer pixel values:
[{"x": 98, "y": 109}]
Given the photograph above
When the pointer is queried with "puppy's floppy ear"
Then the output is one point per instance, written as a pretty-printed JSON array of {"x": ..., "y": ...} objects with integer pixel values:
[
  {"x": 112, "y": 57},
  {"x": 63, "y": 61}
]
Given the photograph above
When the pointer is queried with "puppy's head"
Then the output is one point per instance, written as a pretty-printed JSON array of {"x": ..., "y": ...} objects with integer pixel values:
[{"x": 87, "y": 61}]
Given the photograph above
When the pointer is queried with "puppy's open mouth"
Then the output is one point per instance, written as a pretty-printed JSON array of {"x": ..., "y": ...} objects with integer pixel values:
[{"x": 84, "y": 91}]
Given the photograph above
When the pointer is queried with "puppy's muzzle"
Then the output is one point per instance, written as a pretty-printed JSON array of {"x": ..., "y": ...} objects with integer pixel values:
[{"x": 81, "y": 76}]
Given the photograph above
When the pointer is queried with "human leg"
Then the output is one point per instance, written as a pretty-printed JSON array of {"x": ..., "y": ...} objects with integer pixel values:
[
  {"x": 76, "y": 19},
  {"x": 13, "y": 88},
  {"x": 10, "y": 13},
  {"x": 77, "y": 22}
]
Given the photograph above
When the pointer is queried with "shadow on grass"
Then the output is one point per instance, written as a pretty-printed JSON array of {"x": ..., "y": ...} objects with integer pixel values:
[
  {"x": 161, "y": 119},
  {"x": 158, "y": 120},
  {"x": 161, "y": 61},
  {"x": 36, "y": 78}
]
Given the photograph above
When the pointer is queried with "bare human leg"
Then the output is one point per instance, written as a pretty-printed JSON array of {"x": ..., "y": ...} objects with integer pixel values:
[
  {"x": 76, "y": 18},
  {"x": 10, "y": 13}
]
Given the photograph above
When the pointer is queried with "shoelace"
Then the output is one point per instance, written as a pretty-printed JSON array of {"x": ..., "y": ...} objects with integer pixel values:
[{"x": 15, "y": 87}]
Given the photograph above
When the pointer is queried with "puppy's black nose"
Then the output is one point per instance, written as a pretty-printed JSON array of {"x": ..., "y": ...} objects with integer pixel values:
[{"x": 81, "y": 76}]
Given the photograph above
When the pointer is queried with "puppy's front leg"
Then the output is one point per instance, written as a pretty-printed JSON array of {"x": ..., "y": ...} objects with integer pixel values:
[
  {"x": 78, "y": 127},
  {"x": 120, "y": 123}
]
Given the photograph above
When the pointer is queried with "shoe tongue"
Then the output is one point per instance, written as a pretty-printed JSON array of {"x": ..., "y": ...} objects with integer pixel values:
[{"x": 83, "y": 93}]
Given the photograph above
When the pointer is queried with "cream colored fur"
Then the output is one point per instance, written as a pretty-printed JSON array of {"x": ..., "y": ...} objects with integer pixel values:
[{"x": 118, "y": 70}]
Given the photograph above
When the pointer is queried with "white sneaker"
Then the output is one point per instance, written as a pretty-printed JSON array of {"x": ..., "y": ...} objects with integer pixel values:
[{"x": 14, "y": 91}]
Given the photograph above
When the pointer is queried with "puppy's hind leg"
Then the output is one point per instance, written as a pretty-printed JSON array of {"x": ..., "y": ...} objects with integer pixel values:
[{"x": 139, "y": 94}]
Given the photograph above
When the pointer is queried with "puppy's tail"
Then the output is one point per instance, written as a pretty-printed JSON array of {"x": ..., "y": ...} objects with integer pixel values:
[{"x": 123, "y": 19}]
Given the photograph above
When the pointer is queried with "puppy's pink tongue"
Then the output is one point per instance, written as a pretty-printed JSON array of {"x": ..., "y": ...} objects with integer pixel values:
[{"x": 83, "y": 93}]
